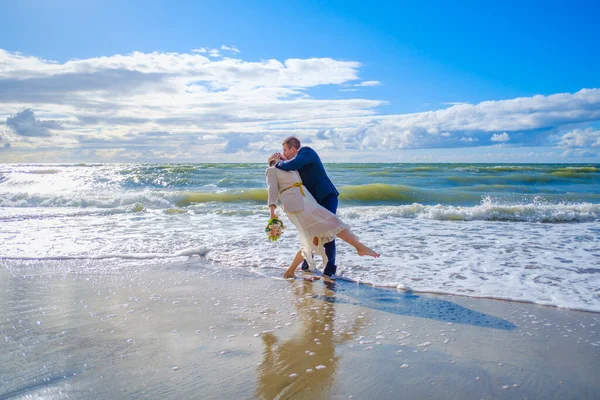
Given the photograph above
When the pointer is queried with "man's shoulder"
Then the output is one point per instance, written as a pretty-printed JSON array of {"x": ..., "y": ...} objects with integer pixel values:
[
  {"x": 311, "y": 155},
  {"x": 307, "y": 151}
]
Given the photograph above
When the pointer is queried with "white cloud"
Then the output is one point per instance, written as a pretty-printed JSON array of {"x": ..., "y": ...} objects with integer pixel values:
[
  {"x": 212, "y": 139},
  {"x": 500, "y": 137},
  {"x": 368, "y": 83},
  {"x": 233, "y": 49},
  {"x": 236, "y": 142},
  {"x": 195, "y": 105},
  {"x": 580, "y": 153},
  {"x": 529, "y": 120},
  {"x": 580, "y": 138},
  {"x": 25, "y": 123}
]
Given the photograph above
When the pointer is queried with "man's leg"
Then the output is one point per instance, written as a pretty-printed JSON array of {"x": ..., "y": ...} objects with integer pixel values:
[
  {"x": 330, "y": 203},
  {"x": 304, "y": 266}
]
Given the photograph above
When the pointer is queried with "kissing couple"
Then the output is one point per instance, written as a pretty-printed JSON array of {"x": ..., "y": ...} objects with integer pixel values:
[{"x": 309, "y": 199}]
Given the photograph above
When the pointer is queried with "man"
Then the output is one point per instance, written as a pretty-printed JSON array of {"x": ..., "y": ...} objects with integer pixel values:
[{"x": 308, "y": 164}]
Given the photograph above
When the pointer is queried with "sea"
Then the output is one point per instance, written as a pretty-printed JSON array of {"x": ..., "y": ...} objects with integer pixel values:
[{"x": 517, "y": 232}]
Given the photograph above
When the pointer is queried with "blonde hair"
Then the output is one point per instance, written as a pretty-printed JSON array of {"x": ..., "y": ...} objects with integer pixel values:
[{"x": 272, "y": 160}]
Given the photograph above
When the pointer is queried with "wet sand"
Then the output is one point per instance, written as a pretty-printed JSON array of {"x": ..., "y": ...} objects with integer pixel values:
[{"x": 199, "y": 332}]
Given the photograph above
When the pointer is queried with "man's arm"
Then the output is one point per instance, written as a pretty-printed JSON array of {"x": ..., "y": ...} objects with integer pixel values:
[{"x": 301, "y": 159}]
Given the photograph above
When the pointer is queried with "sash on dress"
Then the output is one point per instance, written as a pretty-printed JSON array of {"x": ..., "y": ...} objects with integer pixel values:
[
  {"x": 297, "y": 184},
  {"x": 291, "y": 201}
]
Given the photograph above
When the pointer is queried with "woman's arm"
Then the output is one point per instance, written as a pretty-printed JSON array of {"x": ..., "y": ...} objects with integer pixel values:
[{"x": 273, "y": 190}]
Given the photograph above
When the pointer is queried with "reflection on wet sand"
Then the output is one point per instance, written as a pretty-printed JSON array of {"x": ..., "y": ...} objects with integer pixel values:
[{"x": 304, "y": 365}]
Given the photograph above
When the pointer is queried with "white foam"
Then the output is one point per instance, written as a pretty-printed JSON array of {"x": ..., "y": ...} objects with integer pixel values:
[
  {"x": 488, "y": 210},
  {"x": 423, "y": 248},
  {"x": 549, "y": 264}
]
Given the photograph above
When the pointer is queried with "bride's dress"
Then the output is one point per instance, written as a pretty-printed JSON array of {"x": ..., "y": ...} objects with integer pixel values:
[{"x": 313, "y": 220}]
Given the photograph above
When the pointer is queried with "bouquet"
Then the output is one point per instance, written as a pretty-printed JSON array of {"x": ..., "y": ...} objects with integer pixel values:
[{"x": 274, "y": 229}]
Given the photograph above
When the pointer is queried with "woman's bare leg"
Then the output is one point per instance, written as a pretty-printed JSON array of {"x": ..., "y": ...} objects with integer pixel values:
[
  {"x": 352, "y": 240},
  {"x": 289, "y": 273}
]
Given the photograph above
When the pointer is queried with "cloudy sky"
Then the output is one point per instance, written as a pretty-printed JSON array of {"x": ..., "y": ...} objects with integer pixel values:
[{"x": 226, "y": 81}]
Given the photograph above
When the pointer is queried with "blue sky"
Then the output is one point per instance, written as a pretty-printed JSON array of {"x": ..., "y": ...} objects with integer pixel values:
[{"x": 218, "y": 80}]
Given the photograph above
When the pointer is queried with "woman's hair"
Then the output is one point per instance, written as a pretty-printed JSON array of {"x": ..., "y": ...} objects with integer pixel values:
[{"x": 272, "y": 160}]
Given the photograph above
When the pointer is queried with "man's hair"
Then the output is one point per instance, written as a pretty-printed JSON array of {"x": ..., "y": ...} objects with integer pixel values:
[{"x": 292, "y": 141}]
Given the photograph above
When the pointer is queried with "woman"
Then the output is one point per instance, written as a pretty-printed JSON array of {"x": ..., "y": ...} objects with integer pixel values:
[{"x": 315, "y": 224}]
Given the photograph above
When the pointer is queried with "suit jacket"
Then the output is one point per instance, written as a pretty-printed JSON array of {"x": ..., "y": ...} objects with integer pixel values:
[
  {"x": 292, "y": 199},
  {"x": 312, "y": 172}
]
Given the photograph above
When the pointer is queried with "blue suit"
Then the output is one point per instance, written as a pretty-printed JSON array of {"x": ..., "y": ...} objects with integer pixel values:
[{"x": 313, "y": 175}]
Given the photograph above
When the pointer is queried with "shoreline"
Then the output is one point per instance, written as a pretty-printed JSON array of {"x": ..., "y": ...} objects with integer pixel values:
[
  {"x": 450, "y": 294},
  {"x": 199, "y": 331}
]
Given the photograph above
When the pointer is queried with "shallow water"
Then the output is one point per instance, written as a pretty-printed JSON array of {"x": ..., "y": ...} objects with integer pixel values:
[
  {"x": 519, "y": 232},
  {"x": 192, "y": 330}
]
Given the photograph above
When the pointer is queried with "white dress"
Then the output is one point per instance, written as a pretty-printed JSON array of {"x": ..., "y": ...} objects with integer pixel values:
[{"x": 313, "y": 220}]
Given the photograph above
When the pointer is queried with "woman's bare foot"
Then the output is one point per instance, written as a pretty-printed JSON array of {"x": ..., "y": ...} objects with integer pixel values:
[
  {"x": 289, "y": 275},
  {"x": 365, "y": 251}
]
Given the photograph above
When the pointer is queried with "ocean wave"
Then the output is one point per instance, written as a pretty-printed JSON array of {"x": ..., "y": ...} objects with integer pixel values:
[
  {"x": 357, "y": 194},
  {"x": 504, "y": 179},
  {"x": 379, "y": 193},
  {"x": 51, "y": 213},
  {"x": 510, "y": 168},
  {"x": 486, "y": 211},
  {"x": 350, "y": 195},
  {"x": 580, "y": 175},
  {"x": 88, "y": 200},
  {"x": 516, "y": 168},
  {"x": 43, "y": 171},
  {"x": 175, "y": 211},
  {"x": 576, "y": 173},
  {"x": 196, "y": 251},
  {"x": 386, "y": 173},
  {"x": 588, "y": 169},
  {"x": 251, "y": 195}
]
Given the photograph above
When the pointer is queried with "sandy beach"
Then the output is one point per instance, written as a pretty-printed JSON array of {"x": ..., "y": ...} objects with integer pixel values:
[{"x": 197, "y": 331}]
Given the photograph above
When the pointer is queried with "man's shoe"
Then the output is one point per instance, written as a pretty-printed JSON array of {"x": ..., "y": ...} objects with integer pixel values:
[{"x": 305, "y": 266}]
